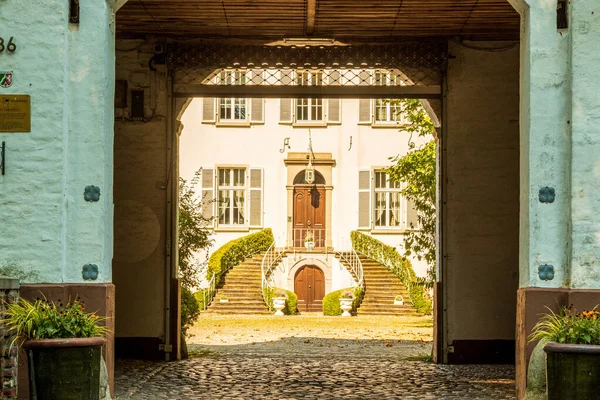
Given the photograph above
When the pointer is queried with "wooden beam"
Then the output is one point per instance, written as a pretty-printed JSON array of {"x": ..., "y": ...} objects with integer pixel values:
[
  {"x": 311, "y": 16},
  {"x": 116, "y": 4},
  {"x": 346, "y": 92}
]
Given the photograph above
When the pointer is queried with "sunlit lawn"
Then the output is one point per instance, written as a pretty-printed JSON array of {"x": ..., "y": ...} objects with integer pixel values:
[{"x": 212, "y": 329}]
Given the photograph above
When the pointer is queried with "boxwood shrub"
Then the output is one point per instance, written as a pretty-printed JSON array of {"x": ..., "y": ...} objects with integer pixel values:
[
  {"x": 399, "y": 265},
  {"x": 331, "y": 301},
  {"x": 234, "y": 252},
  {"x": 291, "y": 304}
]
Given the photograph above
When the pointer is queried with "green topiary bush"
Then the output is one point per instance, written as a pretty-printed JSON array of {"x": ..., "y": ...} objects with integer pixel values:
[
  {"x": 331, "y": 302},
  {"x": 399, "y": 265},
  {"x": 291, "y": 304},
  {"x": 234, "y": 252},
  {"x": 200, "y": 299},
  {"x": 190, "y": 309}
]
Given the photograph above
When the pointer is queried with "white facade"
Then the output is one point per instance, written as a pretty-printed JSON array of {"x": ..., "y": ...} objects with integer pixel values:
[{"x": 347, "y": 146}]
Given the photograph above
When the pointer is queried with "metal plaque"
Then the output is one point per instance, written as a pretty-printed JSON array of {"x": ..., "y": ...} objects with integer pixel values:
[{"x": 15, "y": 113}]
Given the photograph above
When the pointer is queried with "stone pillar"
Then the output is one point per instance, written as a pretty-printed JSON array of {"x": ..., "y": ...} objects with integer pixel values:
[
  {"x": 560, "y": 143},
  {"x": 9, "y": 293}
]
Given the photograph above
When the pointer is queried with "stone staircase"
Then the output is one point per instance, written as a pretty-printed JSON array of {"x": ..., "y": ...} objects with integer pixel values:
[
  {"x": 242, "y": 286},
  {"x": 381, "y": 286}
]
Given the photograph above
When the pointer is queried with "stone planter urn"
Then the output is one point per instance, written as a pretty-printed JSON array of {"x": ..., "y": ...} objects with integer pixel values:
[
  {"x": 573, "y": 371},
  {"x": 398, "y": 301},
  {"x": 279, "y": 305},
  {"x": 346, "y": 306},
  {"x": 309, "y": 245}
]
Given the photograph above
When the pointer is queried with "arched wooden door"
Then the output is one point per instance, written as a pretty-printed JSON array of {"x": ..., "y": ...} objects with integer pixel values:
[
  {"x": 309, "y": 286},
  {"x": 309, "y": 215}
]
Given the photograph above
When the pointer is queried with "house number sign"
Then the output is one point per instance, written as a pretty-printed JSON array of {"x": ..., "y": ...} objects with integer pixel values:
[{"x": 8, "y": 45}]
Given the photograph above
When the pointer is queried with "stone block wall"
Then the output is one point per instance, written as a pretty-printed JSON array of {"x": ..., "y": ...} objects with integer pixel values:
[{"x": 9, "y": 293}]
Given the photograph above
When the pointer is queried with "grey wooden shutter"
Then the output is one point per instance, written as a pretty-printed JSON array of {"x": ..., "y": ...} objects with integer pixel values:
[
  {"x": 364, "y": 199},
  {"x": 208, "y": 193},
  {"x": 209, "y": 113},
  {"x": 334, "y": 111},
  {"x": 257, "y": 113},
  {"x": 286, "y": 114},
  {"x": 364, "y": 111},
  {"x": 256, "y": 197},
  {"x": 412, "y": 221}
]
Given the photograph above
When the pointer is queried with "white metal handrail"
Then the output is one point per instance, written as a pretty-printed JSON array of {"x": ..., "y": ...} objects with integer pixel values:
[
  {"x": 354, "y": 265},
  {"x": 271, "y": 260},
  {"x": 208, "y": 294}
]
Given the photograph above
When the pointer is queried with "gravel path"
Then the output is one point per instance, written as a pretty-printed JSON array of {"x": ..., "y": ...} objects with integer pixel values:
[{"x": 310, "y": 357}]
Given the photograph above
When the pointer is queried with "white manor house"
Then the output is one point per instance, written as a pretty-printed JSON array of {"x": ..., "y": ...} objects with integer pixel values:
[{"x": 253, "y": 155}]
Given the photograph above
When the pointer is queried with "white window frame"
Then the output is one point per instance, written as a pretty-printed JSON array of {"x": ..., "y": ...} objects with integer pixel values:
[
  {"x": 388, "y": 190},
  {"x": 231, "y": 189},
  {"x": 309, "y": 78},
  {"x": 233, "y": 77},
  {"x": 391, "y": 115}
]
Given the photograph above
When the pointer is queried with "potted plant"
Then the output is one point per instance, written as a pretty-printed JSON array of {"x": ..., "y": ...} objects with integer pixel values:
[
  {"x": 279, "y": 303},
  {"x": 309, "y": 241},
  {"x": 572, "y": 353},
  {"x": 63, "y": 345},
  {"x": 346, "y": 303},
  {"x": 223, "y": 298},
  {"x": 398, "y": 300}
]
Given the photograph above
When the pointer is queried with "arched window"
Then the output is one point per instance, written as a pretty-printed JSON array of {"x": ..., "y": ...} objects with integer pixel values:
[{"x": 299, "y": 179}]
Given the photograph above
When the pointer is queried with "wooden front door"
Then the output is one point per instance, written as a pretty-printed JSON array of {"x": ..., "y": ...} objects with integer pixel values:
[
  {"x": 309, "y": 215},
  {"x": 309, "y": 286}
]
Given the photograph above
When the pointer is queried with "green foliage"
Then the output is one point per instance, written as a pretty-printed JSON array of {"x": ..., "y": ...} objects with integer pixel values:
[
  {"x": 291, "y": 302},
  {"x": 234, "y": 252},
  {"x": 399, "y": 265},
  {"x": 193, "y": 233},
  {"x": 568, "y": 327},
  {"x": 200, "y": 299},
  {"x": 331, "y": 301},
  {"x": 416, "y": 170},
  {"x": 42, "y": 319},
  {"x": 190, "y": 309}
]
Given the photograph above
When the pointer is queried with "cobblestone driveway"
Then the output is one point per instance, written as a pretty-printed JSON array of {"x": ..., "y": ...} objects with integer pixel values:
[{"x": 303, "y": 367}]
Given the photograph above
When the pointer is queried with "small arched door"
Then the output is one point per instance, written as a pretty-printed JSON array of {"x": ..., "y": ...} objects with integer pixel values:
[{"x": 309, "y": 286}]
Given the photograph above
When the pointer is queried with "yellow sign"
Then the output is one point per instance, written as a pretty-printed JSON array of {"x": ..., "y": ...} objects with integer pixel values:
[{"x": 15, "y": 113}]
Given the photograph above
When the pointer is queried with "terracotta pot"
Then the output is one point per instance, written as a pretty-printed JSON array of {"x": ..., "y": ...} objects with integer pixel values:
[
  {"x": 64, "y": 369},
  {"x": 572, "y": 371}
]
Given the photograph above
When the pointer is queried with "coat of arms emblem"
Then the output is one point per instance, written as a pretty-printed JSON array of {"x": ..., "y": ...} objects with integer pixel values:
[{"x": 6, "y": 79}]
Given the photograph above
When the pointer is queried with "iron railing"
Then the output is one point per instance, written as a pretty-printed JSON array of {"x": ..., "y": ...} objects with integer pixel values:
[{"x": 272, "y": 258}]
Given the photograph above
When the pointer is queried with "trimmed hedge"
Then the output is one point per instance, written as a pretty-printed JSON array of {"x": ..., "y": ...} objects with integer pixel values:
[
  {"x": 291, "y": 304},
  {"x": 190, "y": 309},
  {"x": 200, "y": 299},
  {"x": 331, "y": 302},
  {"x": 234, "y": 252},
  {"x": 399, "y": 265}
]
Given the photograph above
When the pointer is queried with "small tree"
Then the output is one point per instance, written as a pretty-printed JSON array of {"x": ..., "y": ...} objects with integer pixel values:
[
  {"x": 417, "y": 171},
  {"x": 193, "y": 233}
]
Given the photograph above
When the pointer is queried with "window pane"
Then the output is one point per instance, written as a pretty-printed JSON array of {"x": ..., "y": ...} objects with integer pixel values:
[
  {"x": 395, "y": 217},
  {"x": 238, "y": 207},
  {"x": 224, "y": 207},
  {"x": 380, "y": 212},
  {"x": 224, "y": 177},
  {"x": 380, "y": 178},
  {"x": 239, "y": 177}
]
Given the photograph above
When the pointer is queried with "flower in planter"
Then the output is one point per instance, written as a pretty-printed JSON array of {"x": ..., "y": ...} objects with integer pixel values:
[
  {"x": 347, "y": 295},
  {"x": 309, "y": 238},
  {"x": 569, "y": 327},
  {"x": 282, "y": 294}
]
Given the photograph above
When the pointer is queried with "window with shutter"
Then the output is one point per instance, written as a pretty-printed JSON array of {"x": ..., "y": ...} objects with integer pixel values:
[
  {"x": 364, "y": 111},
  {"x": 208, "y": 190},
  {"x": 257, "y": 115},
  {"x": 334, "y": 111},
  {"x": 412, "y": 222},
  {"x": 209, "y": 114},
  {"x": 364, "y": 199},
  {"x": 286, "y": 115},
  {"x": 256, "y": 197}
]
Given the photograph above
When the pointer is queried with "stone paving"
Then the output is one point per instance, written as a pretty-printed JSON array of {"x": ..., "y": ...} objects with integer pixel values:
[{"x": 374, "y": 362}]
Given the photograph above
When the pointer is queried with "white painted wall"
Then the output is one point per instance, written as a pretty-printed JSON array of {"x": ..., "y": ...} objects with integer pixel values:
[{"x": 258, "y": 146}]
